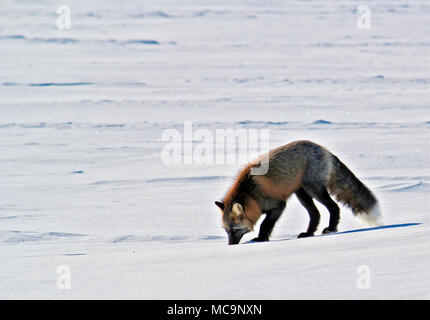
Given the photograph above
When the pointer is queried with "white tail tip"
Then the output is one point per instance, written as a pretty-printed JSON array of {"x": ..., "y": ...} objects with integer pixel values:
[{"x": 373, "y": 217}]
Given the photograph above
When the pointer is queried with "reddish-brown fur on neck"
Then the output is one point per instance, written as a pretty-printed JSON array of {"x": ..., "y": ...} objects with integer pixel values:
[
  {"x": 252, "y": 212},
  {"x": 238, "y": 186},
  {"x": 238, "y": 193}
]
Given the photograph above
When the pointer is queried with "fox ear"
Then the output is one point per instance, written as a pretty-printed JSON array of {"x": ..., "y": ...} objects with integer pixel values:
[
  {"x": 237, "y": 209},
  {"x": 220, "y": 204}
]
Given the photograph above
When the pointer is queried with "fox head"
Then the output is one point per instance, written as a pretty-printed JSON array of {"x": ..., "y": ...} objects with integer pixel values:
[{"x": 235, "y": 221}]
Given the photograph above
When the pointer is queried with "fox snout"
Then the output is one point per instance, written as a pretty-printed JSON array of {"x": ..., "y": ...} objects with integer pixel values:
[{"x": 235, "y": 235}]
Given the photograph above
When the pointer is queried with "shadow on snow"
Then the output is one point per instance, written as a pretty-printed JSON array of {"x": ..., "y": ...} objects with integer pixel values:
[{"x": 390, "y": 226}]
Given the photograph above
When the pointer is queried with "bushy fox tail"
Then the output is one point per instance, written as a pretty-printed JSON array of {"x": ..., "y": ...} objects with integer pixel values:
[{"x": 349, "y": 190}]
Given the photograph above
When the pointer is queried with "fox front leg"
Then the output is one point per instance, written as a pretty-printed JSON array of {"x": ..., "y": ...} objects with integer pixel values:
[{"x": 269, "y": 222}]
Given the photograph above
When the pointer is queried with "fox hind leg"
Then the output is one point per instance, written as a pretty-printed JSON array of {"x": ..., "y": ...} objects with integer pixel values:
[
  {"x": 314, "y": 183},
  {"x": 315, "y": 187},
  {"x": 323, "y": 196},
  {"x": 314, "y": 215},
  {"x": 334, "y": 210}
]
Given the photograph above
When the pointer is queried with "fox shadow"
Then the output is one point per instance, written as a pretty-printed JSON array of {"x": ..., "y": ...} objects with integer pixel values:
[{"x": 390, "y": 226}]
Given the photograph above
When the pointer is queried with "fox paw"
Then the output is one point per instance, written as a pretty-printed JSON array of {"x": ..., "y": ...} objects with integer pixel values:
[
  {"x": 305, "y": 235},
  {"x": 259, "y": 240},
  {"x": 328, "y": 230}
]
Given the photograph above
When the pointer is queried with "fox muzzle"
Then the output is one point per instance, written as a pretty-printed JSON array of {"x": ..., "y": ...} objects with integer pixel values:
[{"x": 234, "y": 235}]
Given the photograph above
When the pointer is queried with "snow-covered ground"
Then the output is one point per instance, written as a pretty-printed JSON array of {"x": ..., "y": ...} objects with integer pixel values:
[{"x": 84, "y": 191}]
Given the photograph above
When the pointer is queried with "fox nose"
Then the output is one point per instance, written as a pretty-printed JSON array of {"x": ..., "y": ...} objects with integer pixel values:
[
  {"x": 234, "y": 236},
  {"x": 232, "y": 240}
]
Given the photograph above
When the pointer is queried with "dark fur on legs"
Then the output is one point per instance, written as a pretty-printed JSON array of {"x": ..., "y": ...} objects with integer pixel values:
[
  {"x": 321, "y": 194},
  {"x": 314, "y": 215},
  {"x": 268, "y": 223},
  {"x": 334, "y": 210}
]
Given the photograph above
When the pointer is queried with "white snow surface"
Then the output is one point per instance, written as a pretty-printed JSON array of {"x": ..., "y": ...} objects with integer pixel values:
[{"x": 82, "y": 112}]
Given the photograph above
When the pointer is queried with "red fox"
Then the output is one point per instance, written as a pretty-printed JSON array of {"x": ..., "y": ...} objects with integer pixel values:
[{"x": 301, "y": 167}]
